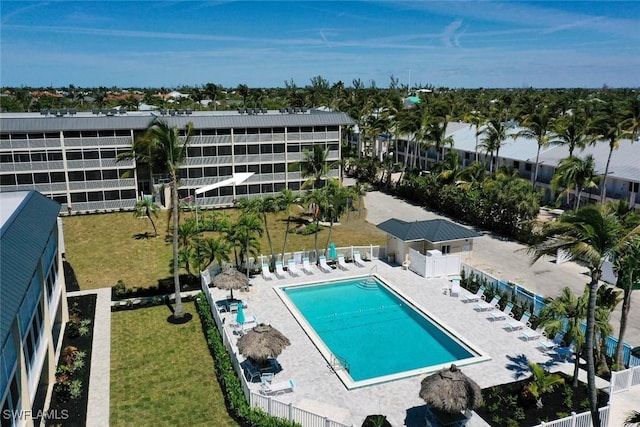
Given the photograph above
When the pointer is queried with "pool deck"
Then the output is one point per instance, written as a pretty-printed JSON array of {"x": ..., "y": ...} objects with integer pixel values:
[{"x": 319, "y": 390}]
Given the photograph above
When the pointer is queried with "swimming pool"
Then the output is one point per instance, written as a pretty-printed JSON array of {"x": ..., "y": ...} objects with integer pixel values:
[{"x": 371, "y": 333}]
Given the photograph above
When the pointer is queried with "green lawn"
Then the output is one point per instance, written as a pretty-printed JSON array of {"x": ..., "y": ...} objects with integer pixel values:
[
  {"x": 105, "y": 248},
  {"x": 162, "y": 374}
]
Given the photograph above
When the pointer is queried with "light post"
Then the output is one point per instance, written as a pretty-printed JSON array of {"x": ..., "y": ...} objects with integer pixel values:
[{"x": 236, "y": 178}]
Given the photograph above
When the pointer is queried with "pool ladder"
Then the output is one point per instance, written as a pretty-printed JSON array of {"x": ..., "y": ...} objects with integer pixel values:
[{"x": 338, "y": 362}]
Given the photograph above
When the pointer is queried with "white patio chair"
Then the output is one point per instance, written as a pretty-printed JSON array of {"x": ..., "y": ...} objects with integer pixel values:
[
  {"x": 323, "y": 265},
  {"x": 341, "y": 262},
  {"x": 500, "y": 314},
  {"x": 306, "y": 266},
  {"x": 292, "y": 269},
  {"x": 556, "y": 342},
  {"x": 266, "y": 273},
  {"x": 514, "y": 325},
  {"x": 486, "y": 306},
  {"x": 455, "y": 288},
  {"x": 529, "y": 335},
  {"x": 280, "y": 274},
  {"x": 357, "y": 259},
  {"x": 271, "y": 389},
  {"x": 467, "y": 297}
]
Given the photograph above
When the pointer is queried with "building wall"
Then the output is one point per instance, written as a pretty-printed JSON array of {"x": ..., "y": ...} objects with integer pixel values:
[
  {"x": 34, "y": 342},
  {"x": 78, "y": 168}
]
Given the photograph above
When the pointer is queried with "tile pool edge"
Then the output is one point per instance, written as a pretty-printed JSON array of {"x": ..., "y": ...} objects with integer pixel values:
[{"x": 478, "y": 354}]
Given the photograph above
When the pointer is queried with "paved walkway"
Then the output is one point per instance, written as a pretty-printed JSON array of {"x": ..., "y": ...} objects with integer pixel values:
[{"x": 99, "y": 381}]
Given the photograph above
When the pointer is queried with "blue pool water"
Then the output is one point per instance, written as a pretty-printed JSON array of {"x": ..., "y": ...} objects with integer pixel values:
[{"x": 376, "y": 331}]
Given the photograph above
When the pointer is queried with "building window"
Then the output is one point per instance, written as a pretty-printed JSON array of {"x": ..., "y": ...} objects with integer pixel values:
[
  {"x": 516, "y": 164},
  {"x": 266, "y": 149},
  {"x": 211, "y": 171},
  {"x": 54, "y": 156},
  {"x": 527, "y": 167},
  {"x": 266, "y": 168},
  {"x": 225, "y": 170},
  {"x": 240, "y": 149},
  {"x": 110, "y": 174},
  {"x": 57, "y": 177},
  {"x": 7, "y": 180},
  {"x": 195, "y": 173},
  {"x": 254, "y": 189},
  {"x": 24, "y": 179},
  {"x": 76, "y": 176},
  {"x": 78, "y": 197},
  {"x": 224, "y": 150},
  {"x": 95, "y": 196},
  {"x": 91, "y": 154},
  {"x": 209, "y": 151},
  {"x": 41, "y": 178},
  {"x": 253, "y": 149},
  {"x": 93, "y": 175},
  {"x": 445, "y": 249}
]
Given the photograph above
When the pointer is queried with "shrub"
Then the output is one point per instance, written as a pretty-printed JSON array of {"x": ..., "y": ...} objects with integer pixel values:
[{"x": 229, "y": 381}]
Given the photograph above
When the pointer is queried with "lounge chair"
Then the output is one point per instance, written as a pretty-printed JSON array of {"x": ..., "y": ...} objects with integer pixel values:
[
  {"x": 552, "y": 344},
  {"x": 514, "y": 325},
  {"x": 529, "y": 334},
  {"x": 266, "y": 273},
  {"x": 292, "y": 269},
  {"x": 306, "y": 267},
  {"x": 565, "y": 353},
  {"x": 280, "y": 274},
  {"x": 271, "y": 389},
  {"x": 479, "y": 295},
  {"x": 455, "y": 288},
  {"x": 342, "y": 265},
  {"x": 501, "y": 314},
  {"x": 486, "y": 306},
  {"x": 323, "y": 265},
  {"x": 357, "y": 259}
]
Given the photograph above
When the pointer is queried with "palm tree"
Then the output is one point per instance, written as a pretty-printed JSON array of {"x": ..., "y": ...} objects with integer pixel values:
[
  {"x": 627, "y": 265},
  {"x": 314, "y": 166},
  {"x": 210, "y": 250},
  {"x": 243, "y": 91},
  {"x": 541, "y": 382},
  {"x": 285, "y": 200},
  {"x": 591, "y": 234},
  {"x": 567, "y": 312},
  {"x": 572, "y": 130},
  {"x": 607, "y": 300},
  {"x": 536, "y": 126},
  {"x": 574, "y": 172},
  {"x": 495, "y": 133},
  {"x": 262, "y": 206},
  {"x": 610, "y": 128},
  {"x": 146, "y": 208},
  {"x": 476, "y": 120},
  {"x": 244, "y": 235},
  {"x": 316, "y": 198},
  {"x": 165, "y": 149},
  {"x": 631, "y": 117}
]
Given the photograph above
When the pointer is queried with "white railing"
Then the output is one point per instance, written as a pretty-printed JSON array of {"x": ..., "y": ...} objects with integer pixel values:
[
  {"x": 579, "y": 420},
  {"x": 268, "y": 404},
  {"x": 624, "y": 380}
]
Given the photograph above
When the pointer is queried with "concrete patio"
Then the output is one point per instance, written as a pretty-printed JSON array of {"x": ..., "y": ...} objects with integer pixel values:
[{"x": 318, "y": 388}]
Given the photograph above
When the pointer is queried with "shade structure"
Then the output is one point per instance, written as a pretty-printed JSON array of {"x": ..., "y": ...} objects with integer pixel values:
[
  {"x": 262, "y": 342},
  {"x": 240, "y": 315},
  {"x": 451, "y": 391},
  {"x": 230, "y": 279}
]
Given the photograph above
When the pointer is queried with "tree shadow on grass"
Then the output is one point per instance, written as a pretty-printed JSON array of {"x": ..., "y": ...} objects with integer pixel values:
[{"x": 143, "y": 236}]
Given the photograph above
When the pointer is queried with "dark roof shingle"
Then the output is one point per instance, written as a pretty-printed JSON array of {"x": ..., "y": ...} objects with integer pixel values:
[{"x": 435, "y": 230}]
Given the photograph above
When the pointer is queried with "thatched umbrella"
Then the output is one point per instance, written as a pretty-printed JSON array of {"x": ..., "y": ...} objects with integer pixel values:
[
  {"x": 262, "y": 342},
  {"x": 230, "y": 279},
  {"x": 449, "y": 390}
]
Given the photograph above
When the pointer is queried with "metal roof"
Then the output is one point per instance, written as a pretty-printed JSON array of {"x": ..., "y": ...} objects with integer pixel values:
[
  {"x": 23, "y": 238},
  {"x": 625, "y": 161},
  {"x": 435, "y": 230},
  {"x": 34, "y": 122}
]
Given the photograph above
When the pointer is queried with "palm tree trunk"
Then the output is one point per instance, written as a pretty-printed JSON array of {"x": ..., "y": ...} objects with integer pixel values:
[
  {"x": 266, "y": 228},
  {"x": 603, "y": 195},
  {"x": 326, "y": 247},
  {"x": 286, "y": 237},
  {"x": 178, "y": 313},
  {"x": 626, "y": 305},
  {"x": 317, "y": 222},
  {"x": 578, "y": 196},
  {"x": 589, "y": 343},
  {"x": 576, "y": 366},
  {"x": 534, "y": 177}
]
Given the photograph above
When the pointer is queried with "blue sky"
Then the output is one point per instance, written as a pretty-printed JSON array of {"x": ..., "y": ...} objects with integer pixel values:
[{"x": 263, "y": 44}]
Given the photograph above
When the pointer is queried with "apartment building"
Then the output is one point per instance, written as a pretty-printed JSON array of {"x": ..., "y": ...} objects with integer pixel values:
[
  {"x": 71, "y": 157},
  {"x": 33, "y": 303}
]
